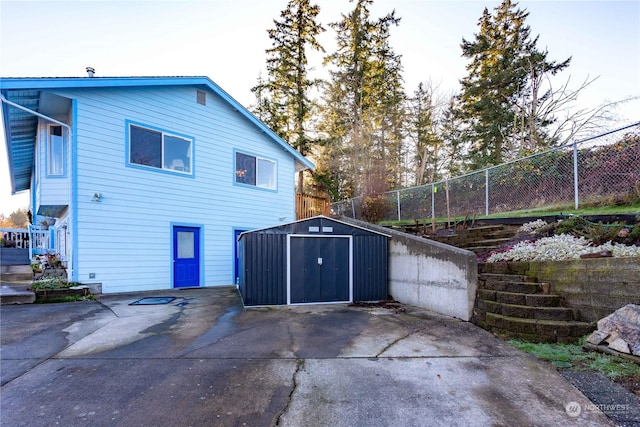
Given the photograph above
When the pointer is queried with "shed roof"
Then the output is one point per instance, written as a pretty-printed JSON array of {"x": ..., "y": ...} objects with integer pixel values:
[
  {"x": 20, "y": 126},
  {"x": 313, "y": 219}
]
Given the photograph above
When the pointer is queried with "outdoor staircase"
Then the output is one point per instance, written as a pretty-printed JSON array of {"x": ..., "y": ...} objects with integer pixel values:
[
  {"x": 15, "y": 281},
  {"x": 480, "y": 239},
  {"x": 514, "y": 306}
]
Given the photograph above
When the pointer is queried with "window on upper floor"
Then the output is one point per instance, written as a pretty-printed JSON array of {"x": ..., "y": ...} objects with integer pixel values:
[
  {"x": 55, "y": 151},
  {"x": 160, "y": 150},
  {"x": 256, "y": 171}
]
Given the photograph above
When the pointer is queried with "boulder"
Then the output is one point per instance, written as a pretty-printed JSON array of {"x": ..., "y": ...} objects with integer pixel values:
[{"x": 621, "y": 330}]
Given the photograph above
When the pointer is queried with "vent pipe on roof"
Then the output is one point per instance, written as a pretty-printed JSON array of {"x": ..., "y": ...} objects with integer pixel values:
[{"x": 90, "y": 71}]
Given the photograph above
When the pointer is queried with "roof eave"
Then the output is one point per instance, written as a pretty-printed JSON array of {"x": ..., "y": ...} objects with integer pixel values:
[
  {"x": 6, "y": 83},
  {"x": 7, "y": 144}
]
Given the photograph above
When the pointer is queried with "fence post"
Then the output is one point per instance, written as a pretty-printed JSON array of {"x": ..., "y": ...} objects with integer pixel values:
[
  {"x": 486, "y": 192},
  {"x": 576, "y": 196},
  {"x": 398, "y": 201},
  {"x": 433, "y": 203}
]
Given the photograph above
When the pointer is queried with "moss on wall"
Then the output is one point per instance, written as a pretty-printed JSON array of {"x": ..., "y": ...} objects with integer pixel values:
[{"x": 594, "y": 287}]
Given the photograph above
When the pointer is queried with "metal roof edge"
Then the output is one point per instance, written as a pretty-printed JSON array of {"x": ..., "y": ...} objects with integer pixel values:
[{"x": 316, "y": 217}]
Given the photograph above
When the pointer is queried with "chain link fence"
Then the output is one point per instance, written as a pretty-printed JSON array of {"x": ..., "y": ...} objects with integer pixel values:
[{"x": 603, "y": 169}]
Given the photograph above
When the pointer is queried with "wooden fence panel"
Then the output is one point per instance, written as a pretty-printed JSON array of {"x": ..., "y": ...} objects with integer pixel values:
[{"x": 310, "y": 206}]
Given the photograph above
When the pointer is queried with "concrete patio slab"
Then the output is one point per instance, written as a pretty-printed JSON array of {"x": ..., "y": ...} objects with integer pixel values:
[{"x": 205, "y": 360}]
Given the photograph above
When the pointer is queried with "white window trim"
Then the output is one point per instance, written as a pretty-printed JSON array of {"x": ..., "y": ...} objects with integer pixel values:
[{"x": 49, "y": 155}]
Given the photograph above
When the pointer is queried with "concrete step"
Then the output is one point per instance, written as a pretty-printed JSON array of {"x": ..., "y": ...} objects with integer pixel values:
[
  {"x": 485, "y": 242},
  {"x": 514, "y": 287},
  {"x": 486, "y": 228},
  {"x": 527, "y": 312},
  {"x": 15, "y": 273},
  {"x": 480, "y": 249},
  {"x": 13, "y": 269},
  {"x": 516, "y": 298},
  {"x": 537, "y": 330},
  {"x": 506, "y": 233},
  {"x": 502, "y": 277},
  {"x": 14, "y": 294}
]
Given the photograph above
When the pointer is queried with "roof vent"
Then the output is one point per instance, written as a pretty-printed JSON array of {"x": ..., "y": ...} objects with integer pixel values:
[{"x": 90, "y": 71}]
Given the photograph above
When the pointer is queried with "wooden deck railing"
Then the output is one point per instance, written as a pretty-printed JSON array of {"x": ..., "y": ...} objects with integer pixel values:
[
  {"x": 310, "y": 206},
  {"x": 35, "y": 239}
]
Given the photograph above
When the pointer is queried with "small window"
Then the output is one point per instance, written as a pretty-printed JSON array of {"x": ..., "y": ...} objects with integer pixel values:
[
  {"x": 201, "y": 97},
  {"x": 256, "y": 171},
  {"x": 161, "y": 150},
  {"x": 55, "y": 151}
]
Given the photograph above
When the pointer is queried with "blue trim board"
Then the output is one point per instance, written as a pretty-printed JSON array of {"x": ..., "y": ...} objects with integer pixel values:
[{"x": 73, "y": 210}]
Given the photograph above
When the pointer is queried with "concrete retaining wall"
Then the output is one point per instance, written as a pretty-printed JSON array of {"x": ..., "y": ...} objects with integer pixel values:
[
  {"x": 595, "y": 287},
  {"x": 429, "y": 274}
]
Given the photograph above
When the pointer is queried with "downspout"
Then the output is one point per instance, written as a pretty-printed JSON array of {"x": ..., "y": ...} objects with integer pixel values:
[{"x": 69, "y": 145}]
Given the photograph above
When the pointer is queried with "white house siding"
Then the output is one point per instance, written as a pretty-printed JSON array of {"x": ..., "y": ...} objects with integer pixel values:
[{"x": 124, "y": 240}]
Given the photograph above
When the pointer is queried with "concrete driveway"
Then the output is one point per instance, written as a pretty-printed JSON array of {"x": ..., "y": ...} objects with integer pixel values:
[{"x": 203, "y": 360}]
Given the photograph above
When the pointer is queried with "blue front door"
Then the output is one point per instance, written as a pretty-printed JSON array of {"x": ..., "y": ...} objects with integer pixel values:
[{"x": 186, "y": 257}]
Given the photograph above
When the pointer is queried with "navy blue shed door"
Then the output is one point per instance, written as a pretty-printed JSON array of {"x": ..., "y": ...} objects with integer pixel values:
[
  {"x": 186, "y": 257},
  {"x": 319, "y": 269}
]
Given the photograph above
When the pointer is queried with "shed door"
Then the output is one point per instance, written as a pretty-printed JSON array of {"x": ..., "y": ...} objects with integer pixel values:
[{"x": 319, "y": 269}]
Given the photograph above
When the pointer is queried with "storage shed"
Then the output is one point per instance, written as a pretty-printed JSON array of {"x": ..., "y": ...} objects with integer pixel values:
[{"x": 315, "y": 260}]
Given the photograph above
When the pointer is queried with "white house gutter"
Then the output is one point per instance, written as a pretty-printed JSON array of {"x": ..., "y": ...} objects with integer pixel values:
[{"x": 71, "y": 249}]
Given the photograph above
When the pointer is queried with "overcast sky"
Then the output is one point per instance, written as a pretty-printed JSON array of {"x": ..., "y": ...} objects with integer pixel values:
[{"x": 226, "y": 39}]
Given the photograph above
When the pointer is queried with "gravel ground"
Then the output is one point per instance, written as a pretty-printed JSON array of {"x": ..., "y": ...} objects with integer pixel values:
[{"x": 611, "y": 398}]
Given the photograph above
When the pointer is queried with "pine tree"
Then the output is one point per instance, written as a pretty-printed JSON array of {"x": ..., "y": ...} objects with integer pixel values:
[
  {"x": 363, "y": 101},
  {"x": 499, "y": 95},
  {"x": 284, "y": 102}
]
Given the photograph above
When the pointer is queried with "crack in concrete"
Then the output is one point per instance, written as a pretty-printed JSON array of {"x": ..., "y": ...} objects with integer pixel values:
[
  {"x": 291, "y": 338},
  {"x": 396, "y": 341},
  {"x": 299, "y": 366}
]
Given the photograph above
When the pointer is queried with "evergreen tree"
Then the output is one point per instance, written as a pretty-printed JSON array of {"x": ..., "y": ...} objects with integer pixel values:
[
  {"x": 283, "y": 99},
  {"x": 363, "y": 102},
  {"x": 499, "y": 95}
]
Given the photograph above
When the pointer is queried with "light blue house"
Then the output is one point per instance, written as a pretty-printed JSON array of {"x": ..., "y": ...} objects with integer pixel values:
[{"x": 150, "y": 179}]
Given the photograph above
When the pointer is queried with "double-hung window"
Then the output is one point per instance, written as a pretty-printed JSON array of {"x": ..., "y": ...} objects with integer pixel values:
[
  {"x": 55, "y": 151},
  {"x": 160, "y": 150},
  {"x": 255, "y": 171}
]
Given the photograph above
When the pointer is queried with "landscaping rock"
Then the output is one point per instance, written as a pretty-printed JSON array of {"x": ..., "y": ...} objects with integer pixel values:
[
  {"x": 619, "y": 345},
  {"x": 597, "y": 337},
  {"x": 622, "y": 325}
]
